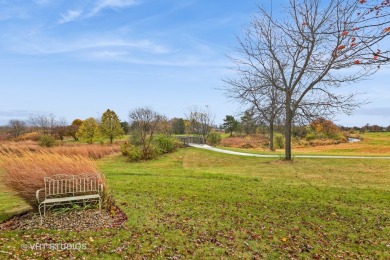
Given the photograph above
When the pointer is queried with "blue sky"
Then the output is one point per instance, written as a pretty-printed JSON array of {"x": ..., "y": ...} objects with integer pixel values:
[{"x": 75, "y": 59}]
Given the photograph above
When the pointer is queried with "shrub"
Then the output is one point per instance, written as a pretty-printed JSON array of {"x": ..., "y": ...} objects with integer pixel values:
[
  {"x": 124, "y": 149},
  {"x": 33, "y": 136},
  {"x": 24, "y": 173},
  {"x": 160, "y": 144},
  {"x": 133, "y": 152},
  {"x": 339, "y": 137},
  {"x": 299, "y": 131},
  {"x": 166, "y": 143},
  {"x": 214, "y": 139},
  {"x": 151, "y": 153},
  {"x": 47, "y": 141},
  {"x": 135, "y": 138},
  {"x": 310, "y": 136},
  {"x": 279, "y": 141}
]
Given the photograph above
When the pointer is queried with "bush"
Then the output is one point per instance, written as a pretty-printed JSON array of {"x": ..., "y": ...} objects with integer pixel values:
[
  {"x": 279, "y": 141},
  {"x": 166, "y": 143},
  {"x": 47, "y": 141},
  {"x": 124, "y": 149},
  {"x": 33, "y": 136},
  {"x": 160, "y": 144},
  {"x": 299, "y": 131},
  {"x": 214, "y": 139},
  {"x": 134, "y": 153},
  {"x": 310, "y": 136},
  {"x": 151, "y": 153},
  {"x": 135, "y": 138},
  {"x": 24, "y": 173}
]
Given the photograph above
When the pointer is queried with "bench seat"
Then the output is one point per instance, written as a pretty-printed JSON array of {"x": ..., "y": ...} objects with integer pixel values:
[{"x": 63, "y": 199}]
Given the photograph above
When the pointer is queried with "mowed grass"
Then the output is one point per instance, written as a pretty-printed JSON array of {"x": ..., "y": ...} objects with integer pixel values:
[
  {"x": 201, "y": 204},
  {"x": 373, "y": 144},
  {"x": 10, "y": 205}
]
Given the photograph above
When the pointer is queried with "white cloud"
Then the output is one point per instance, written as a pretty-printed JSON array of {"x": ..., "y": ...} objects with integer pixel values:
[
  {"x": 108, "y": 45},
  {"x": 69, "y": 16},
  {"x": 111, "y": 4}
]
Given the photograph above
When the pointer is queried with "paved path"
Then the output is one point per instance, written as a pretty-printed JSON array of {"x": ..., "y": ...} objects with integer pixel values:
[{"x": 207, "y": 147}]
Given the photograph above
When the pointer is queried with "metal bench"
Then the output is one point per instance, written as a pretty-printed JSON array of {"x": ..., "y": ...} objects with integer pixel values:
[{"x": 67, "y": 189}]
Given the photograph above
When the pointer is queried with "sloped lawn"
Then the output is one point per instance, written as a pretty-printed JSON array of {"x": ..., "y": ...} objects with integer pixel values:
[{"x": 196, "y": 204}]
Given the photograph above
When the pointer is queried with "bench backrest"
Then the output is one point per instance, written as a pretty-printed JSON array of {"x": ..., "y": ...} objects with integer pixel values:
[{"x": 61, "y": 185}]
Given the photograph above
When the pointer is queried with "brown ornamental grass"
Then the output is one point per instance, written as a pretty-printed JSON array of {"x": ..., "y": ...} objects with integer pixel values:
[
  {"x": 22, "y": 172},
  {"x": 93, "y": 151}
]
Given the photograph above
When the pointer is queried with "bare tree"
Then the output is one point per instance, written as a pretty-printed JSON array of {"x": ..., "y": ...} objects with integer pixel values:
[
  {"x": 317, "y": 47},
  {"x": 17, "y": 127},
  {"x": 259, "y": 95},
  {"x": 43, "y": 123},
  {"x": 145, "y": 121},
  {"x": 201, "y": 121},
  {"x": 61, "y": 128}
]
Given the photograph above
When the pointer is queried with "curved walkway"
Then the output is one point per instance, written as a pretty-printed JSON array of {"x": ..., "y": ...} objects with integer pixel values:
[{"x": 207, "y": 147}]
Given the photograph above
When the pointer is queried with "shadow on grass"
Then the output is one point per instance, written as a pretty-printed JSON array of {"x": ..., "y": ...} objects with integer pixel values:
[{"x": 6, "y": 215}]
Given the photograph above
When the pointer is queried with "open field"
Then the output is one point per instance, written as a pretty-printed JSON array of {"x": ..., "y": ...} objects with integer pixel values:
[{"x": 202, "y": 204}]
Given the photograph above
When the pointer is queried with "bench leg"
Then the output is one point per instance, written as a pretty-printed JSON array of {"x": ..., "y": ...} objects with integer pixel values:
[
  {"x": 40, "y": 213},
  {"x": 100, "y": 204}
]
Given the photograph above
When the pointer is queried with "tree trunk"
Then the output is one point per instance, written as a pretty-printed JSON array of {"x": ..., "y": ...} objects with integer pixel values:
[
  {"x": 271, "y": 136},
  {"x": 288, "y": 126}
]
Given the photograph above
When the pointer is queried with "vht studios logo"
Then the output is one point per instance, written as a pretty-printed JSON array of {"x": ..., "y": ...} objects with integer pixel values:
[{"x": 54, "y": 246}]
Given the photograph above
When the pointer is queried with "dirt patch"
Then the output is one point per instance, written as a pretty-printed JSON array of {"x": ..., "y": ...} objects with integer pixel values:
[{"x": 74, "y": 220}]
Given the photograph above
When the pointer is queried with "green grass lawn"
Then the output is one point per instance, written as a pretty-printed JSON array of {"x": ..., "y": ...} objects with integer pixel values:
[{"x": 200, "y": 204}]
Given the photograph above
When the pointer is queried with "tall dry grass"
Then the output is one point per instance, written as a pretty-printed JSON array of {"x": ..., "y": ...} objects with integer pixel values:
[
  {"x": 23, "y": 172},
  {"x": 245, "y": 142},
  {"x": 91, "y": 151}
]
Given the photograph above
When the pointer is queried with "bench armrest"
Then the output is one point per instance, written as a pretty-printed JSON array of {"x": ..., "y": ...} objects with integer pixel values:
[
  {"x": 101, "y": 189},
  {"x": 37, "y": 194}
]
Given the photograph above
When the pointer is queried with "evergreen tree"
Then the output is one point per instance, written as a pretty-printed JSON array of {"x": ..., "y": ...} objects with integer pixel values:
[
  {"x": 178, "y": 126},
  {"x": 248, "y": 123},
  {"x": 230, "y": 124}
]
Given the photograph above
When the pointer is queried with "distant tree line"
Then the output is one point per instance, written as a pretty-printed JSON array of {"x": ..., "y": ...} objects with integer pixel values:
[
  {"x": 194, "y": 123},
  {"x": 143, "y": 122}
]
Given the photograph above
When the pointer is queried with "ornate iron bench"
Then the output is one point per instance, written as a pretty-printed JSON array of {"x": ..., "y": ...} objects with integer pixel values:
[{"x": 68, "y": 189}]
